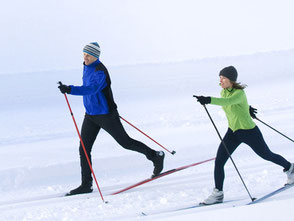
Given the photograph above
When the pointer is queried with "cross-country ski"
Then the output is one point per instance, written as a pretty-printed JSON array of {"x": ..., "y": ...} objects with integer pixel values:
[
  {"x": 225, "y": 204},
  {"x": 271, "y": 194},
  {"x": 160, "y": 175}
]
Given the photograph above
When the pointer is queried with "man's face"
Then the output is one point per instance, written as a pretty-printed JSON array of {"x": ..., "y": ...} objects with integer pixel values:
[{"x": 89, "y": 59}]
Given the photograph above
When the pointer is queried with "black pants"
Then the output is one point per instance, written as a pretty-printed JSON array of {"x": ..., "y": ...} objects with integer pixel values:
[
  {"x": 232, "y": 140},
  {"x": 112, "y": 125}
]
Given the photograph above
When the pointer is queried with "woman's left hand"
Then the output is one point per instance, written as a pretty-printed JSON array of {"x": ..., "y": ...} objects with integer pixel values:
[{"x": 253, "y": 112}]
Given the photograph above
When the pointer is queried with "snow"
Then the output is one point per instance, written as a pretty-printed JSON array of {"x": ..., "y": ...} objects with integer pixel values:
[{"x": 39, "y": 144}]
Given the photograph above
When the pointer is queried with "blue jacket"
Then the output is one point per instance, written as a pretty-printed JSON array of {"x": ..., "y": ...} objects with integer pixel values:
[{"x": 96, "y": 90}]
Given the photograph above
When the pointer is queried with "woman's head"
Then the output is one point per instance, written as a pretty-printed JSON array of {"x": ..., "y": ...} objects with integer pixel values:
[
  {"x": 228, "y": 78},
  {"x": 229, "y": 72}
]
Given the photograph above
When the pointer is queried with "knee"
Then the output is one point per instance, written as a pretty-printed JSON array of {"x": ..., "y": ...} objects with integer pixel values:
[
  {"x": 220, "y": 162},
  {"x": 126, "y": 143},
  {"x": 82, "y": 151},
  {"x": 268, "y": 157}
]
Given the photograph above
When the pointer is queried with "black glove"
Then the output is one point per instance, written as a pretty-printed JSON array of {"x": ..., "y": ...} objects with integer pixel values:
[
  {"x": 252, "y": 112},
  {"x": 203, "y": 100},
  {"x": 64, "y": 88}
]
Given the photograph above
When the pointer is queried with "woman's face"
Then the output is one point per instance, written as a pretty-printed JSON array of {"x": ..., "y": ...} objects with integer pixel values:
[{"x": 225, "y": 82}]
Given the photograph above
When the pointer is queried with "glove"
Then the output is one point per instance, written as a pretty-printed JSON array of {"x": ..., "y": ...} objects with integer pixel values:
[
  {"x": 64, "y": 88},
  {"x": 252, "y": 112},
  {"x": 203, "y": 100}
]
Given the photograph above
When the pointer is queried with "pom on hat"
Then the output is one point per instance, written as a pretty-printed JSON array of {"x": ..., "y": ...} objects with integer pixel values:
[
  {"x": 229, "y": 72},
  {"x": 92, "y": 49}
]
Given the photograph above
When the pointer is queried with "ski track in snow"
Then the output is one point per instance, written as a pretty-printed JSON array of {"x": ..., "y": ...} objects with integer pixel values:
[{"x": 39, "y": 145}]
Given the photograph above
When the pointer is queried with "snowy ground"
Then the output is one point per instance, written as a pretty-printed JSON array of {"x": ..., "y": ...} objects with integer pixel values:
[{"x": 39, "y": 145}]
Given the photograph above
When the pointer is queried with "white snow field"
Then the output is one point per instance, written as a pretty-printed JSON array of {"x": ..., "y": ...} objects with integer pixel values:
[{"x": 39, "y": 145}]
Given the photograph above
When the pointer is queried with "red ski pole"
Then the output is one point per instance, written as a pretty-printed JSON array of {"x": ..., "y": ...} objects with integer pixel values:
[
  {"x": 172, "y": 152},
  {"x": 82, "y": 143}
]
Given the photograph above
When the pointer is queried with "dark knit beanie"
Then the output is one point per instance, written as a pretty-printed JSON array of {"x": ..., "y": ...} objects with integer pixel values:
[
  {"x": 229, "y": 72},
  {"x": 92, "y": 49}
]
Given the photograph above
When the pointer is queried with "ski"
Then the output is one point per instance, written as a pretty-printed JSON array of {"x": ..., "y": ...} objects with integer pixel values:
[
  {"x": 171, "y": 210},
  {"x": 229, "y": 203},
  {"x": 281, "y": 189},
  {"x": 160, "y": 175}
]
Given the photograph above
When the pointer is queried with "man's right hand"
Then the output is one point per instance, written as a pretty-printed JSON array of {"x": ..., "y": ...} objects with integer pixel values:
[{"x": 64, "y": 88}]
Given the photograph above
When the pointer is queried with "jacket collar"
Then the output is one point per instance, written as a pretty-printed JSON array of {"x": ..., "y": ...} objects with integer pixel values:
[{"x": 229, "y": 89}]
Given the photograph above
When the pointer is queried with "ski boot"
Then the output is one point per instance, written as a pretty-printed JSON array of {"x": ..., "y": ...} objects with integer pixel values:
[
  {"x": 290, "y": 174},
  {"x": 217, "y": 196},
  {"x": 83, "y": 188},
  {"x": 158, "y": 163}
]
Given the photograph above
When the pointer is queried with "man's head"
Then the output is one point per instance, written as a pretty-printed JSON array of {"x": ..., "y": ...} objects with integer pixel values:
[{"x": 91, "y": 53}]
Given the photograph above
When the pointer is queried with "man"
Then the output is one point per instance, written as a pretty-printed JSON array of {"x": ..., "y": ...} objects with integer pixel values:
[{"x": 101, "y": 112}]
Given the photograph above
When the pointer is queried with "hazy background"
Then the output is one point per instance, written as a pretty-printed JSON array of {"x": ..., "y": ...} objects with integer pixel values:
[{"x": 50, "y": 34}]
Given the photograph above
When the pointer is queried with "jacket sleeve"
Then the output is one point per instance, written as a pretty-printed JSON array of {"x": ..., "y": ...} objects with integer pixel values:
[
  {"x": 236, "y": 98},
  {"x": 95, "y": 85}
]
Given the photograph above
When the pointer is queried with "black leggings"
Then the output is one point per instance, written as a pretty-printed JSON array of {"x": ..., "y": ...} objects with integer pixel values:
[
  {"x": 111, "y": 124},
  {"x": 232, "y": 140}
]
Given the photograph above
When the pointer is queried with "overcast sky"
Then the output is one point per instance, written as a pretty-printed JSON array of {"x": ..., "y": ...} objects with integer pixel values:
[{"x": 50, "y": 34}]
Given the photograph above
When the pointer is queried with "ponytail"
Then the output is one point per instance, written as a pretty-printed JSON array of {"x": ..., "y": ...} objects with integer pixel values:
[{"x": 237, "y": 85}]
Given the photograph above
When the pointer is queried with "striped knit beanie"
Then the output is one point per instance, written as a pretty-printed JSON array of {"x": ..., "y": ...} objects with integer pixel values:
[{"x": 92, "y": 49}]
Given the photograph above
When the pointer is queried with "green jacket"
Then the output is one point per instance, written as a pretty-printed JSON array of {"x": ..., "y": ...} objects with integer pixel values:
[{"x": 235, "y": 105}]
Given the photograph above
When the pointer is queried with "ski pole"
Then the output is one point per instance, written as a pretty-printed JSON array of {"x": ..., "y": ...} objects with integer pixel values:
[
  {"x": 172, "y": 152},
  {"x": 226, "y": 148},
  {"x": 274, "y": 129},
  {"x": 82, "y": 143}
]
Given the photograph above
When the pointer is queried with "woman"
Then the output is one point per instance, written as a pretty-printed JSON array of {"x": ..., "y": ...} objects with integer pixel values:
[{"x": 241, "y": 129}]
